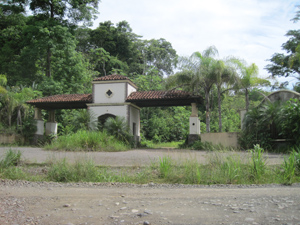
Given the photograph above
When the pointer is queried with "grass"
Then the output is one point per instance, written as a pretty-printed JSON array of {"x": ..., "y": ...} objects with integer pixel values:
[
  {"x": 151, "y": 144},
  {"x": 87, "y": 141},
  {"x": 220, "y": 169}
]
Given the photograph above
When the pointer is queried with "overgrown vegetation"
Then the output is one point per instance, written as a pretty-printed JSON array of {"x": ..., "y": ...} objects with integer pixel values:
[
  {"x": 221, "y": 168},
  {"x": 84, "y": 140},
  {"x": 270, "y": 121}
]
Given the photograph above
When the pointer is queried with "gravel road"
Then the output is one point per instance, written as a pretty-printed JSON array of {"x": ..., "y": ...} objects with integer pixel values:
[
  {"x": 23, "y": 202},
  {"x": 137, "y": 157},
  {"x": 87, "y": 203}
]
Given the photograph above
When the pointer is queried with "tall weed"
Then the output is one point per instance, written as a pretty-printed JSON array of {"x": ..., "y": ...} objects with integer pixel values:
[
  {"x": 11, "y": 158},
  {"x": 232, "y": 169},
  {"x": 258, "y": 166},
  {"x": 289, "y": 168},
  {"x": 192, "y": 172},
  {"x": 165, "y": 164},
  {"x": 82, "y": 170}
]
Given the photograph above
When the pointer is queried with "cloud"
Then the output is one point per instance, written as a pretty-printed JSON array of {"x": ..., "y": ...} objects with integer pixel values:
[{"x": 250, "y": 29}]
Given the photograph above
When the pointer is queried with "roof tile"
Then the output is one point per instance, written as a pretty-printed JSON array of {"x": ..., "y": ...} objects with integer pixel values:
[
  {"x": 111, "y": 77},
  {"x": 63, "y": 98},
  {"x": 153, "y": 95}
]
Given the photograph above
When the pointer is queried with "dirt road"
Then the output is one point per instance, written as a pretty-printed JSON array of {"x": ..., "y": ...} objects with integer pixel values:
[
  {"x": 23, "y": 202},
  {"x": 51, "y": 203}
]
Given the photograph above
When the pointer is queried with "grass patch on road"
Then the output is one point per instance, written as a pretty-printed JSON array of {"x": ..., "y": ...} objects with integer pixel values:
[{"x": 220, "y": 169}]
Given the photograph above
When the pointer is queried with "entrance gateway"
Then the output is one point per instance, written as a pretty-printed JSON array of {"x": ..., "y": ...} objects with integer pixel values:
[{"x": 115, "y": 95}]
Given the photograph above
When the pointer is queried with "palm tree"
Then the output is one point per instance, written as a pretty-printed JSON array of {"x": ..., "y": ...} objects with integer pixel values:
[
  {"x": 225, "y": 74},
  {"x": 248, "y": 78},
  {"x": 197, "y": 72}
]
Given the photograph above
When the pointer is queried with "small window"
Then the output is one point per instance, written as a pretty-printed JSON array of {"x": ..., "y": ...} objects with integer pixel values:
[{"x": 109, "y": 93}]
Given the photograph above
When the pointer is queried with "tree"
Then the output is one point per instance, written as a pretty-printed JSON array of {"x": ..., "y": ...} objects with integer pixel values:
[
  {"x": 197, "y": 72},
  {"x": 225, "y": 74},
  {"x": 248, "y": 78},
  {"x": 158, "y": 54},
  {"x": 66, "y": 13},
  {"x": 288, "y": 64},
  {"x": 12, "y": 22}
]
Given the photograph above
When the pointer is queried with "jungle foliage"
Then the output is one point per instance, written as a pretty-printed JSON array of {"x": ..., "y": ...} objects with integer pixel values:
[{"x": 51, "y": 49}]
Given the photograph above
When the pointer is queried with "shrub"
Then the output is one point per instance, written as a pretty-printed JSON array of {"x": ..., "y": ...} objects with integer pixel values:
[
  {"x": 119, "y": 128},
  {"x": 11, "y": 158},
  {"x": 87, "y": 141}
]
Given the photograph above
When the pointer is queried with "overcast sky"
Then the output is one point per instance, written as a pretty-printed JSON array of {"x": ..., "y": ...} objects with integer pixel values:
[{"x": 250, "y": 29}]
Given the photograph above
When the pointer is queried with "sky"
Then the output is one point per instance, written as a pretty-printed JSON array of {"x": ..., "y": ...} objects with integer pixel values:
[{"x": 252, "y": 30}]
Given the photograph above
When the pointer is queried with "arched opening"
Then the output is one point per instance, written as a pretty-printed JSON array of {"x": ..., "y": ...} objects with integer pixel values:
[{"x": 102, "y": 119}]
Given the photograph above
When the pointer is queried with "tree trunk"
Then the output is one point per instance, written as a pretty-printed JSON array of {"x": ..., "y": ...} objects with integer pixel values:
[
  {"x": 207, "y": 105},
  {"x": 49, "y": 53},
  {"x": 48, "y": 63},
  {"x": 247, "y": 99},
  {"x": 219, "y": 109}
]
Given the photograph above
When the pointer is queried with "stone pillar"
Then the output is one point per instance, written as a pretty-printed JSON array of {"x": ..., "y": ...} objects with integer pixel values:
[
  {"x": 194, "y": 134},
  {"x": 51, "y": 125}
]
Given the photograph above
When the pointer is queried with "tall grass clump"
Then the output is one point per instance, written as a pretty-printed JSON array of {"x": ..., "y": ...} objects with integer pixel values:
[
  {"x": 192, "y": 172},
  {"x": 8, "y": 165},
  {"x": 83, "y": 170},
  {"x": 258, "y": 166},
  {"x": 291, "y": 166},
  {"x": 88, "y": 141},
  {"x": 232, "y": 169},
  {"x": 11, "y": 158},
  {"x": 165, "y": 164}
]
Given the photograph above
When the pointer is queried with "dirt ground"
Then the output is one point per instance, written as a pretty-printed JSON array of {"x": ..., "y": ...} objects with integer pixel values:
[
  {"x": 23, "y": 202},
  {"x": 48, "y": 203}
]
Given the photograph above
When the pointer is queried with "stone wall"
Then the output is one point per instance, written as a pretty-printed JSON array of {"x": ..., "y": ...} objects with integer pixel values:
[
  {"x": 10, "y": 138},
  {"x": 225, "y": 139}
]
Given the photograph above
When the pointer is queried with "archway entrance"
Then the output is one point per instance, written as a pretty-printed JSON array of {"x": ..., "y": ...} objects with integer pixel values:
[{"x": 102, "y": 119}]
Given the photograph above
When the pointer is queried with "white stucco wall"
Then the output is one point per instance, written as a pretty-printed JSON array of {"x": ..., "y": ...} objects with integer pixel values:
[
  {"x": 194, "y": 125},
  {"x": 114, "y": 110},
  {"x": 134, "y": 118},
  {"x": 118, "y": 92},
  {"x": 130, "y": 89}
]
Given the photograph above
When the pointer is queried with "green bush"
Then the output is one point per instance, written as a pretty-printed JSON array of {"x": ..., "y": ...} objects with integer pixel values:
[
  {"x": 11, "y": 158},
  {"x": 271, "y": 121},
  {"x": 88, "y": 141},
  {"x": 119, "y": 128}
]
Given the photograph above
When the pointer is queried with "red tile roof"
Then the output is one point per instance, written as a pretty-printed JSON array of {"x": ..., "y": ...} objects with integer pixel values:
[
  {"x": 111, "y": 77},
  {"x": 152, "y": 95},
  {"x": 63, "y": 98},
  {"x": 163, "y": 98}
]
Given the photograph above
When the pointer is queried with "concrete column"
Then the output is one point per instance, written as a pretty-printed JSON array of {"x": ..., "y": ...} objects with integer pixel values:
[
  {"x": 51, "y": 125},
  {"x": 39, "y": 121},
  {"x": 39, "y": 134},
  {"x": 194, "y": 120},
  {"x": 194, "y": 134}
]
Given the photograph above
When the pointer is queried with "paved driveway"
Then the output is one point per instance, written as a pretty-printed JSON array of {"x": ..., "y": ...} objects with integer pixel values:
[{"x": 136, "y": 157}]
